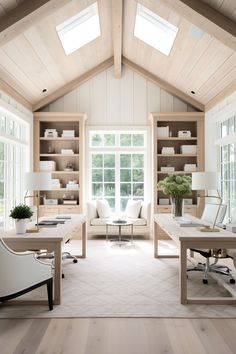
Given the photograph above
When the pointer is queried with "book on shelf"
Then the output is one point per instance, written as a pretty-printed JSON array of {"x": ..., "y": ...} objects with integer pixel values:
[{"x": 69, "y": 202}]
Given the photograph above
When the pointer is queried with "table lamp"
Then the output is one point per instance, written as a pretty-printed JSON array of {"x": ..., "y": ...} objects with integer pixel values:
[
  {"x": 35, "y": 182},
  {"x": 208, "y": 181}
]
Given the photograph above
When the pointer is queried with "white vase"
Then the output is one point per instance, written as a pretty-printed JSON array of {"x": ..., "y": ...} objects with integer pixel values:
[{"x": 21, "y": 225}]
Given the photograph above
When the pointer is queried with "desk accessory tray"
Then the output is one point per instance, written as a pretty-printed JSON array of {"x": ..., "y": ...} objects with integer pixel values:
[{"x": 120, "y": 221}]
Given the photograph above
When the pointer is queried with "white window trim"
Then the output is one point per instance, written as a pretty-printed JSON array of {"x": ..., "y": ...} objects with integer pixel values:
[{"x": 147, "y": 159}]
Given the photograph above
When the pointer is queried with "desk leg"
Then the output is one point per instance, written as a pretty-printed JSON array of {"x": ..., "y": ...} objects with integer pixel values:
[
  {"x": 183, "y": 274},
  {"x": 119, "y": 235},
  {"x": 57, "y": 274},
  {"x": 84, "y": 240},
  {"x": 155, "y": 240}
]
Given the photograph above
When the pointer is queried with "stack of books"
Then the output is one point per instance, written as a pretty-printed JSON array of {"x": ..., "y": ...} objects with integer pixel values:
[
  {"x": 70, "y": 201},
  {"x": 68, "y": 134},
  {"x": 72, "y": 185},
  {"x": 67, "y": 151}
]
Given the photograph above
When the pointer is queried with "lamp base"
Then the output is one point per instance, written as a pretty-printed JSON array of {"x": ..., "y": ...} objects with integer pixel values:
[
  {"x": 32, "y": 230},
  {"x": 208, "y": 229}
]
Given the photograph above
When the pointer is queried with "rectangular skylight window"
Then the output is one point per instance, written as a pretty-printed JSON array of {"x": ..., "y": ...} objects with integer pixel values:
[
  {"x": 154, "y": 30},
  {"x": 80, "y": 29}
]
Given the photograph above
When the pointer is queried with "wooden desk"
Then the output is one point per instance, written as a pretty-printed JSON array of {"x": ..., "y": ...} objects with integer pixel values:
[
  {"x": 51, "y": 239},
  {"x": 191, "y": 237}
]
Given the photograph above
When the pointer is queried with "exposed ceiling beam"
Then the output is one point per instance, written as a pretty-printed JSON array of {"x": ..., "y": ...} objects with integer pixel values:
[
  {"x": 73, "y": 84},
  {"x": 206, "y": 18},
  {"x": 117, "y": 22},
  {"x": 15, "y": 95},
  {"x": 223, "y": 94},
  {"x": 163, "y": 84},
  {"x": 25, "y": 15}
]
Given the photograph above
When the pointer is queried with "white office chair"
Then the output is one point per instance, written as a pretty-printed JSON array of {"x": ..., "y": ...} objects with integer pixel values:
[
  {"x": 209, "y": 215},
  {"x": 21, "y": 272}
]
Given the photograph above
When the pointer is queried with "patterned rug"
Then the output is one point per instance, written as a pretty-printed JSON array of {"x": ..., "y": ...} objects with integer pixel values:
[{"x": 124, "y": 281}]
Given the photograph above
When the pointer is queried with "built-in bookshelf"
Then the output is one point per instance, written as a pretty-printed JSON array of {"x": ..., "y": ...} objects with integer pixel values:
[
  {"x": 178, "y": 146},
  {"x": 59, "y": 149}
]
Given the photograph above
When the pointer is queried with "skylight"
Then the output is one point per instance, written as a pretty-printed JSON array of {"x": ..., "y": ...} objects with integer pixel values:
[
  {"x": 154, "y": 30},
  {"x": 80, "y": 29}
]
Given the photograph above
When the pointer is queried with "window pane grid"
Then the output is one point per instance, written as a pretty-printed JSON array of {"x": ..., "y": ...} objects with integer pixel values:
[
  {"x": 117, "y": 175},
  {"x": 228, "y": 166}
]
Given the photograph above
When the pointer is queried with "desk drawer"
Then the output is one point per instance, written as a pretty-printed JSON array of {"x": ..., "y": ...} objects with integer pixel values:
[
  {"x": 70, "y": 210},
  {"x": 164, "y": 209}
]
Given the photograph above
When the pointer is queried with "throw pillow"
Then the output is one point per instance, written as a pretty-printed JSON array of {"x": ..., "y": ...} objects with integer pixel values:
[
  {"x": 132, "y": 209},
  {"x": 103, "y": 208}
]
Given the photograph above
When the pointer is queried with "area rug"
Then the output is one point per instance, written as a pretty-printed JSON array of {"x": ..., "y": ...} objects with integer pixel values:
[{"x": 124, "y": 281}]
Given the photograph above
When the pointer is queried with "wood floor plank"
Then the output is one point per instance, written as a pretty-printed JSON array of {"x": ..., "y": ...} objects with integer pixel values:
[
  {"x": 210, "y": 338},
  {"x": 117, "y": 335},
  {"x": 32, "y": 338},
  {"x": 11, "y": 333}
]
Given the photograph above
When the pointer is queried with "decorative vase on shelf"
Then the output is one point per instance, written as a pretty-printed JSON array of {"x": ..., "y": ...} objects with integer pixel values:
[{"x": 177, "y": 206}]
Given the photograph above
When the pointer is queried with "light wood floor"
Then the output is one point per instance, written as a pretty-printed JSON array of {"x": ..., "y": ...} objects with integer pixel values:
[{"x": 118, "y": 335}]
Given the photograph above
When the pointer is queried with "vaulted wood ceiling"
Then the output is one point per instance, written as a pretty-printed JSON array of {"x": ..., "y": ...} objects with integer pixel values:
[{"x": 203, "y": 58}]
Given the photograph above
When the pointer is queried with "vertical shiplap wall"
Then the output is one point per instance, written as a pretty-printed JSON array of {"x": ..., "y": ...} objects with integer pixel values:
[{"x": 124, "y": 102}]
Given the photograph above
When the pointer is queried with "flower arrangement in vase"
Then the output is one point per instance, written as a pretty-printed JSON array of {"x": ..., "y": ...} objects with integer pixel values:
[{"x": 177, "y": 185}]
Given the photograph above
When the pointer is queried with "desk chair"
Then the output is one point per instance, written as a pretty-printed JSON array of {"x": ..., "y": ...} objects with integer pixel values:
[
  {"x": 21, "y": 272},
  {"x": 64, "y": 255},
  {"x": 209, "y": 215}
]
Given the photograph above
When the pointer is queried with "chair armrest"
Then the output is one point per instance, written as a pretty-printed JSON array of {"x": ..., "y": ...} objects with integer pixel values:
[{"x": 145, "y": 212}]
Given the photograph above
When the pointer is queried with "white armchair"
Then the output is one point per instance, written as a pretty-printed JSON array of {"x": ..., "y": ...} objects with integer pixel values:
[
  {"x": 97, "y": 225},
  {"x": 21, "y": 272}
]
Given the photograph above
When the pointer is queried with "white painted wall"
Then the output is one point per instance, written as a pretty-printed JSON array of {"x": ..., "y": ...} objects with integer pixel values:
[
  {"x": 222, "y": 111},
  {"x": 124, "y": 102}
]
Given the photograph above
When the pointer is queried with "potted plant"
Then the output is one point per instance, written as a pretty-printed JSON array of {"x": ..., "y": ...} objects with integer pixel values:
[
  {"x": 177, "y": 185},
  {"x": 21, "y": 213}
]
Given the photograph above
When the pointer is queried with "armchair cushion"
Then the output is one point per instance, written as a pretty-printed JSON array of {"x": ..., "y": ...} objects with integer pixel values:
[
  {"x": 103, "y": 208},
  {"x": 132, "y": 209}
]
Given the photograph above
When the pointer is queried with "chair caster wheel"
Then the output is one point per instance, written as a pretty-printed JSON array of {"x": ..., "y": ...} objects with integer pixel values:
[
  {"x": 205, "y": 281},
  {"x": 75, "y": 260},
  {"x": 63, "y": 276},
  {"x": 232, "y": 281}
]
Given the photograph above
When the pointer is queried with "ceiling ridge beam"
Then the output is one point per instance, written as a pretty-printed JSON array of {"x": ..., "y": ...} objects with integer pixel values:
[
  {"x": 231, "y": 88},
  {"x": 25, "y": 15},
  {"x": 9, "y": 90},
  {"x": 73, "y": 84},
  {"x": 207, "y": 18},
  {"x": 117, "y": 23},
  {"x": 163, "y": 84}
]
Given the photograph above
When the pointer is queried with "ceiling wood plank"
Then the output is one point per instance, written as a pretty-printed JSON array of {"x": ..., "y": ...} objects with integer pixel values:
[
  {"x": 14, "y": 94},
  {"x": 163, "y": 84},
  {"x": 25, "y": 15},
  {"x": 223, "y": 94},
  {"x": 117, "y": 22},
  {"x": 206, "y": 18},
  {"x": 73, "y": 84}
]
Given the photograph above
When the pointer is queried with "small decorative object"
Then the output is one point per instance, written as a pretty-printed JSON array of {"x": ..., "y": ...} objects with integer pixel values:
[
  {"x": 50, "y": 133},
  {"x": 69, "y": 167},
  {"x": 22, "y": 214},
  {"x": 177, "y": 186},
  {"x": 50, "y": 150}
]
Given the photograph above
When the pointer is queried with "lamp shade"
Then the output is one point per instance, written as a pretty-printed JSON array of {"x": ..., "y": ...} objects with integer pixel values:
[
  {"x": 35, "y": 181},
  {"x": 205, "y": 181}
]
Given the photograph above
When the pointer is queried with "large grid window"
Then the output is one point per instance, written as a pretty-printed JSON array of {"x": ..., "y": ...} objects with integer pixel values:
[
  {"x": 117, "y": 166},
  {"x": 14, "y": 158},
  {"x": 228, "y": 166}
]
